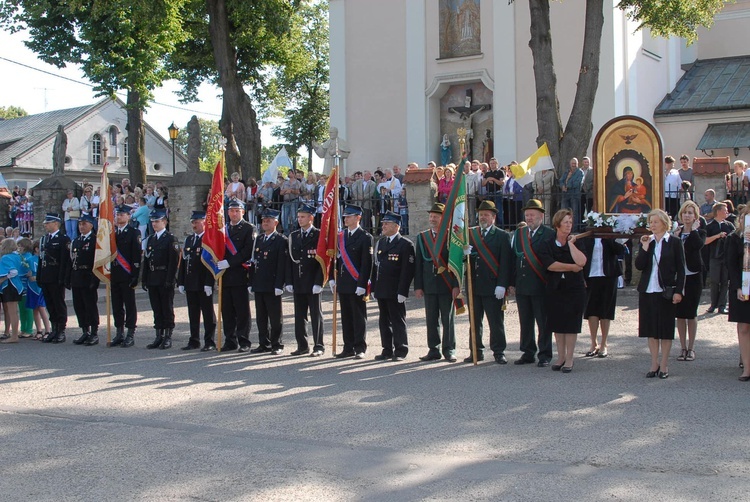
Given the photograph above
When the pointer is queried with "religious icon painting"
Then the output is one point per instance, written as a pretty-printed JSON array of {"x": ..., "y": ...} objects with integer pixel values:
[{"x": 628, "y": 155}]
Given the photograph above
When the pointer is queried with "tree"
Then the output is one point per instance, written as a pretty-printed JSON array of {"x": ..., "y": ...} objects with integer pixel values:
[
  {"x": 119, "y": 44},
  {"x": 210, "y": 135},
  {"x": 664, "y": 18},
  {"x": 301, "y": 86},
  {"x": 12, "y": 112},
  {"x": 234, "y": 44}
]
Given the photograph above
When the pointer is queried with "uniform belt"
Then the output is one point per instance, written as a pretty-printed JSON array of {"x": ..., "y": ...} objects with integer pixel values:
[
  {"x": 81, "y": 267},
  {"x": 160, "y": 267}
]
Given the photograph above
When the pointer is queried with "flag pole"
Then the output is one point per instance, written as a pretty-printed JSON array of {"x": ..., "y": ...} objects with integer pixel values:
[
  {"x": 222, "y": 149},
  {"x": 109, "y": 314},
  {"x": 335, "y": 220},
  {"x": 472, "y": 328}
]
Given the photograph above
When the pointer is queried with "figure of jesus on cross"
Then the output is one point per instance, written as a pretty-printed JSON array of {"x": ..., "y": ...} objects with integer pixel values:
[{"x": 466, "y": 115}]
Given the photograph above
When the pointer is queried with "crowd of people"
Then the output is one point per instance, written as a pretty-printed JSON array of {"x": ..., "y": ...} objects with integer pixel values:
[{"x": 557, "y": 278}]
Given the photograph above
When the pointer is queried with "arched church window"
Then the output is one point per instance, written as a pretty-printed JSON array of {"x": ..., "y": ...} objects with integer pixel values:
[
  {"x": 113, "y": 132},
  {"x": 96, "y": 150}
]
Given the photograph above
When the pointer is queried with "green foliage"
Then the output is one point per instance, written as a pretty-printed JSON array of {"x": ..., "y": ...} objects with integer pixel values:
[
  {"x": 12, "y": 112},
  {"x": 120, "y": 44},
  {"x": 300, "y": 88},
  {"x": 210, "y": 136},
  {"x": 673, "y": 17}
]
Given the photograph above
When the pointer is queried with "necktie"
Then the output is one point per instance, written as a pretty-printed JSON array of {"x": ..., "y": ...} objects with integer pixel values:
[{"x": 484, "y": 234}]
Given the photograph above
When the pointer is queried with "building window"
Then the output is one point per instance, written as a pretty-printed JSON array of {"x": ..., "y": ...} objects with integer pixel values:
[
  {"x": 96, "y": 150},
  {"x": 113, "y": 131},
  {"x": 125, "y": 153}
]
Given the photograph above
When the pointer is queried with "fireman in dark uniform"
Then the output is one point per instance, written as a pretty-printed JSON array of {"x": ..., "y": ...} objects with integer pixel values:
[
  {"x": 84, "y": 283},
  {"x": 305, "y": 280},
  {"x": 125, "y": 270},
  {"x": 235, "y": 301},
  {"x": 161, "y": 253},
  {"x": 267, "y": 275},
  {"x": 54, "y": 261},
  {"x": 392, "y": 274},
  {"x": 196, "y": 282}
]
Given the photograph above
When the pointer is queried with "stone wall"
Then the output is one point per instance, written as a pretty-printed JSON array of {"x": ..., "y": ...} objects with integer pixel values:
[
  {"x": 48, "y": 196},
  {"x": 187, "y": 193}
]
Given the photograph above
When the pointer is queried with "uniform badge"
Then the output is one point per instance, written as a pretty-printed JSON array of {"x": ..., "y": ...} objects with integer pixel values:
[
  {"x": 411, "y": 259},
  {"x": 176, "y": 246}
]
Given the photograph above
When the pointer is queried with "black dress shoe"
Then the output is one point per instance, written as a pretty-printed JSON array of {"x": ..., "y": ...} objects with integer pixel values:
[
  {"x": 451, "y": 358},
  {"x": 470, "y": 359},
  {"x": 208, "y": 348},
  {"x": 567, "y": 369},
  {"x": 229, "y": 347},
  {"x": 300, "y": 352},
  {"x": 359, "y": 355},
  {"x": 384, "y": 357},
  {"x": 277, "y": 352},
  {"x": 397, "y": 358},
  {"x": 342, "y": 355},
  {"x": 652, "y": 374},
  {"x": 523, "y": 361},
  {"x": 244, "y": 348},
  {"x": 501, "y": 359},
  {"x": 190, "y": 346},
  {"x": 557, "y": 367},
  {"x": 316, "y": 353},
  {"x": 542, "y": 364},
  {"x": 260, "y": 349},
  {"x": 430, "y": 357},
  {"x": 723, "y": 311},
  {"x": 711, "y": 310},
  {"x": 664, "y": 375}
]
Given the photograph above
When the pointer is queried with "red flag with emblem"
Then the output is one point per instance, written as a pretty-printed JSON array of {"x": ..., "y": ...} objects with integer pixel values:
[
  {"x": 326, "y": 250},
  {"x": 106, "y": 247},
  {"x": 214, "y": 238}
]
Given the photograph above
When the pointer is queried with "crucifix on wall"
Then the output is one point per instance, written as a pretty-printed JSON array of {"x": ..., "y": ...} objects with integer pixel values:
[{"x": 466, "y": 115}]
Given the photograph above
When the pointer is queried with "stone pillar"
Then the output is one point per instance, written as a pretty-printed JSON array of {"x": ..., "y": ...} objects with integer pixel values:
[
  {"x": 187, "y": 193},
  {"x": 421, "y": 192},
  {"x": 48, "y": 196}
]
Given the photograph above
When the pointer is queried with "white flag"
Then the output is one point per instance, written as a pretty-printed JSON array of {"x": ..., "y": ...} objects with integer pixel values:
[{"x": 281, "y": 160}]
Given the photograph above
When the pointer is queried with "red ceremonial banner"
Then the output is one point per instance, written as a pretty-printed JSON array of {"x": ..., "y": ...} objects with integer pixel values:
[
  {"x": 214, "y": 238},
  {"x": 326, "y": 250}
]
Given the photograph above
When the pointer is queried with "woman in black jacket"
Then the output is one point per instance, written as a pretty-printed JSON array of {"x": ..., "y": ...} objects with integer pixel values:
[
  {"x": 739, "y": 306},
  {"x": 601, "y": 272},
  {"x": 661, "y": 260},
  {"x": 693, "y": 238}
]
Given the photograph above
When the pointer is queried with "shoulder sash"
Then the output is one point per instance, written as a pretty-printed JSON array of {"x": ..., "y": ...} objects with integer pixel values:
[{"x": 483, "y": 251}]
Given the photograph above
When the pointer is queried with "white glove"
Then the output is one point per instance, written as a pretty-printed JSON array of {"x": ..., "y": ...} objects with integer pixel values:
[
  {"x": 278, "y": 292},
  {"x": 181, "y": 289},
  {"x": 289, "y": 288},
  {"x": 360, "y": 291},
  {"x": 401, "y": 298},
  {"x": 332, "y": 285},
  {"x": 499, "y": 292},
  {"x": 12, "y": 273},
  {"x": 222, "y": 265},
  {"x": 250, "y": 289},
  {"x": 317, "y": 289},
  {"x": 467, "y": 250},
  {"x": 208, "y": 290}
]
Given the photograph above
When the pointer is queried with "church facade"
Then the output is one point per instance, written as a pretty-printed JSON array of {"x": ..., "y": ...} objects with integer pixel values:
[{"x": 407, "y": 74}]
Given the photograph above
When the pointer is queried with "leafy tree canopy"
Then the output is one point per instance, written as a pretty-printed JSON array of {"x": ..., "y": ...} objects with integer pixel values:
[{"x": 12, "y": 112}]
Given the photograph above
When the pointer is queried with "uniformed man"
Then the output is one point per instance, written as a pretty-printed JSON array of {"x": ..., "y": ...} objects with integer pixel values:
[
  {"x": 439, "y": 288},
  {"x": 125, "y": 270},
  {"x": 196, "y": 282},
  {"x": 83, "y": 282},
  {"x": 354, "y": 268},
  {"x": 530, "y": 280},
  {"x": 305, "y": 280},
  {"x": 267, "y": 275},
  {"x": 491, "y": 265},
  {"x": 161, "y": 253},
  {"x": 392, "y": 274},
  {"x": 54, "y": 261},
  {"x": 235, "y": 302}
]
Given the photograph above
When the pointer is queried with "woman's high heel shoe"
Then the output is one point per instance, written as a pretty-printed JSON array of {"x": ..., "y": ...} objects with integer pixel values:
[{"x": 652, "y": 374}]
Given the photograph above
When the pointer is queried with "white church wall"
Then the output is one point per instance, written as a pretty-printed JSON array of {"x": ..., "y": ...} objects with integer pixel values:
[{"x": 728, "y": 36}]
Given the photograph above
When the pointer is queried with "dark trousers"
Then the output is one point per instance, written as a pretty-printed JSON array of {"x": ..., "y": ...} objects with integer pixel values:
[
  {"x": 530, "y": 310},
  {"x": 84, "y": 304},
  {"x": 199, "y": 304},
  {"x": 493, "y": 308},
  {"x": 302, "y": 304},
  {"x": 54, "y": 296},
  {"x": 268, "y": 311},
  {"x": 235, "y": 311},
  {"x": 392, "y": 323},
  {"x": 719, "y": 282},
  {"x": 353, "y": 322},
  {"x": 123, "y": 305},
  {"x": 440, "y": 313},
  {"x": 162, "y": 303}
]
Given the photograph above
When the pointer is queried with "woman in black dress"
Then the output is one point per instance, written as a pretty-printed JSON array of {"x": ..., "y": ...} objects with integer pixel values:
[
  {"x": 661, "y": 260},
  {"x": 601, "y": 272},
  {"x": 693, "y": 237},
  {"x": 739, "y": 306},
  {"x": 566, "y": 289}
]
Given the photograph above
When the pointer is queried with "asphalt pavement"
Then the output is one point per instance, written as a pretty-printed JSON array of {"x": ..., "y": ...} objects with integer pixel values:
[{"x": 97, "y": 423}]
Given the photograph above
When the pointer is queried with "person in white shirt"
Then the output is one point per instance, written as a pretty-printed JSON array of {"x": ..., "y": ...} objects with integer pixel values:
[{"x": 672, "y": 187}]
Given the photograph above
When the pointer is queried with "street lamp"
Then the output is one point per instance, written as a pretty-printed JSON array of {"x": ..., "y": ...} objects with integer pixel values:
[{"x": 173, "y": 130}]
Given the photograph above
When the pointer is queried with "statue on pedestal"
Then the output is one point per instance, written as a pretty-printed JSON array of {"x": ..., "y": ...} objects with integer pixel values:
[
  {"x": 445, "y": 151},
  {"x": 59, "y": 151},
  {"x": 330, "y": 148},
  {"x": 193, "y": 145}
]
